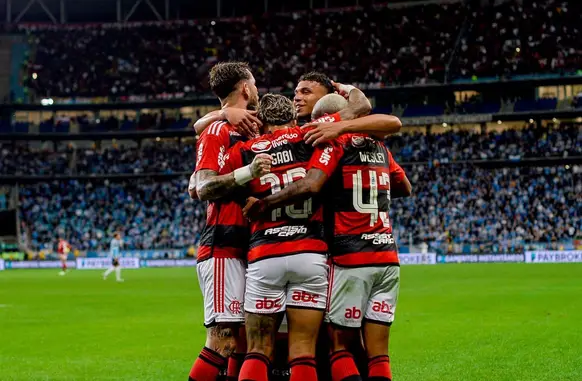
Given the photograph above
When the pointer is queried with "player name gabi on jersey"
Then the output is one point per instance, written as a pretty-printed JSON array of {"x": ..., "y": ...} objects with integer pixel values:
[
  {"x": 289, "y": 230},
  {"x": 226, "y": 233},
  {"x": 360, "y": 170}
]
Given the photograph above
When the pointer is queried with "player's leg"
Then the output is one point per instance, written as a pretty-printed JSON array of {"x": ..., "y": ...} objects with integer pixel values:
[
  {"x": 110, "y": 269},
  {"x": 306, "y": 302},
  {"x": 265, "y": 300},
  {"x": 117, "y": 266},
  {"x": 378, "y": 319},
  {"x": 63, "y": 259},
  {"x": 350, "y": 289},
  {"x": 222, "y": 284},
  {"x": 237, "y": 358}
]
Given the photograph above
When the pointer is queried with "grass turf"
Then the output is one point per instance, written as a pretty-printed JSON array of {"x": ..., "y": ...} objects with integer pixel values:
[{"x": 514, "y": 322}]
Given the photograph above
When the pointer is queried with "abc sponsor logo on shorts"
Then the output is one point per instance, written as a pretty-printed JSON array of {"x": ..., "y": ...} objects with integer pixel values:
[
  {"x": 286, "y": 231},
  {"x": 571, "y": 256},
  {"x": 383, "y": 307},
  {"x": 268, "y": 304},
  {"x": 353, "y": 313},
  {"x": 304, "y": 297}
]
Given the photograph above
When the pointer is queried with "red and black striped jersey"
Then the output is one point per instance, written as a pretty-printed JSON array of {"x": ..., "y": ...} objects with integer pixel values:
[
  {"x": 226, "y": 234},
  {"x": 360, "y": 170},
  {"x": 289, "y": 230}
]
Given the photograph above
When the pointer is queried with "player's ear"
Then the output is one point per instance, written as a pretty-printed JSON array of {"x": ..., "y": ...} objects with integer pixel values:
[{"x": 245, "y": 90}]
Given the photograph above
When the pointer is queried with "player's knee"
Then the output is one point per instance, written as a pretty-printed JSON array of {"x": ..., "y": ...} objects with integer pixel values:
[{"x": 222, "y": 338}]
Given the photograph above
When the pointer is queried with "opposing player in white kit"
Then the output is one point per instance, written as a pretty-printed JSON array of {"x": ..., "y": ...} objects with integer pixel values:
[{"x": 114, "y": 253}]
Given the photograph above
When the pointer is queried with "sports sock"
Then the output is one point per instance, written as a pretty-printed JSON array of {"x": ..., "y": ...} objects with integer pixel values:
[
  {"x": 343, "y": 367},
  {"x": 235, "y": 362},
  {"x": 118, "y": 273},
  {"x": 302, "y": 369},
  {"x": 64, "y": 266},
  {"x": 379, "y": 369},
  {"x": 207, "y": 366},
  {"x": 255, "y": 368}
]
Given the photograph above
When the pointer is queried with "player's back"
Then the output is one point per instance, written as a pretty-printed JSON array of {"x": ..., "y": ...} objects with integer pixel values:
[
  {"x": 359, "y": 230},
  {"x": 292, "y": 229},
  {"x": 225, "y": 234}
]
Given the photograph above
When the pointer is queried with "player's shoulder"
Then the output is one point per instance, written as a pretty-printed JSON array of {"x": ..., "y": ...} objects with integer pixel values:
[{"x": 221, "y": 128}]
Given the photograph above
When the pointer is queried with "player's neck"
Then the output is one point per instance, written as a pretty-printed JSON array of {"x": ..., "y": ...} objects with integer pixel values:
[{"x": 234, "y": 102}]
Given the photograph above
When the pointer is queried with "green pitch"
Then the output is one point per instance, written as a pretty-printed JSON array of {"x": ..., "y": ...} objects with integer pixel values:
[{"x": 454, "y": 322}]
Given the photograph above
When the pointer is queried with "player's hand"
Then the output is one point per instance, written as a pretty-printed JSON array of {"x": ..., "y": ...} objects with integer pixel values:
[
  {"x": 244, "y": 121},
  {"x": 253, "y": 209},
  {"x": 341, "y": 89},
  {"x": 261, "y": 165},
  {"x": 322, "y": 132}
]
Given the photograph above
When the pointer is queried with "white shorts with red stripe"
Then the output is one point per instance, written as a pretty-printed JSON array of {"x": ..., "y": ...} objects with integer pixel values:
[
  {"x": 362, "y": 293},
  {"x": 297, "y": 281},
  {"x": 222, "y": 281}
]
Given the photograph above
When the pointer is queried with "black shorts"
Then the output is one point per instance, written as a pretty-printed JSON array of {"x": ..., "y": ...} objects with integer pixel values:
[{"x": 115, "y": 262}]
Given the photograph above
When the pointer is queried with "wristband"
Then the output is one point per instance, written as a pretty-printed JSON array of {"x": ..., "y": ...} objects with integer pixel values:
[{"x": 243, "y": 175}]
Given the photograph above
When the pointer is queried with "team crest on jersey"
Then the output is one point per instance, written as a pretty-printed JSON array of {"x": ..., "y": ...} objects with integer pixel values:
[
  {"x": 261, "y": 146},
  {"x": 358, "y": 141}
]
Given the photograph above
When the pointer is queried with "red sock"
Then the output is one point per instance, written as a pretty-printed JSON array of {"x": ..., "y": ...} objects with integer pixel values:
[
  {"x": 343, "y": 367},
  {"x": 255, "y": 368},
  {"x": 379, "y": 369},
  {"x": 64, "y": 266},
  {"x": 207, "y": 366},
  {"x": 302, "y": 369},
  {"x": 235, "y": 362}
]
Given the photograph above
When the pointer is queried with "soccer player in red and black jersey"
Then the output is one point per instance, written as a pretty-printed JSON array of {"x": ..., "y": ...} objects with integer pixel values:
[
  {"x": 363, "y": 177},
  {"x": 221, "y": 256},
  {"x": 63, "y": 250}
]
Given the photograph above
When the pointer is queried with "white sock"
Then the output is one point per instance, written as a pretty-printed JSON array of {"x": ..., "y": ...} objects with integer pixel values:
[
  {"x": 109, "y": 271},
  {"x": 118, "y": 273}
]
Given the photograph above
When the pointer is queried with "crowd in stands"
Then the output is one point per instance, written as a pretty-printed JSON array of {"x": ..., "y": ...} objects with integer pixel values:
[
  {"x": 148, "y": 213},
  {"x": 522, "y": 37},
  {"x": 503, "y": 207},
  {"x": 372, "y": 47},
  {"x": 457, "y": 203},
  {"x": 564, "y": 140}
]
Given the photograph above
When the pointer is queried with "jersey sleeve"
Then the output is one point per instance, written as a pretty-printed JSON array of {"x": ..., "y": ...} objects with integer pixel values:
[
  {"x": 212, "y": 146},
  {"x": 233, "y": 159},
  {"x": 326, "y": 157},
  {"x": 396, "y": 171}
]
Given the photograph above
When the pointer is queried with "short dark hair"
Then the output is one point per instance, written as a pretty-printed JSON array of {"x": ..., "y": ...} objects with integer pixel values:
[
  {"x": 276, "y": 110},
  {"x": 320, "y": 78},
  {"x": 224, "y": 76}
]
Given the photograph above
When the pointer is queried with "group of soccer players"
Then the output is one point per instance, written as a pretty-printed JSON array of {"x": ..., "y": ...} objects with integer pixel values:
[{"x": 297, "y": 227}]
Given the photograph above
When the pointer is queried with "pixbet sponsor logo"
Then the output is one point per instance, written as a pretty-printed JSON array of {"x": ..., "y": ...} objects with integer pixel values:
[
  {"x": 305, "y": 297},
  {"x": 268, "y": 304}
]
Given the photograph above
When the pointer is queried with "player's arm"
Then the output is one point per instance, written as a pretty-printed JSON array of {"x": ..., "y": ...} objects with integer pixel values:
[
  {"x": 192, "y": 187},
  {"x": 358, "y": 103},
  {"x": 212, "y": 186},
  {"x": 323, "y": 163},
  {"x": 399, "y": 184},
  {"x": 377, "y": 125},
  {"x": 299, "y": 190},
  {"x": 245, "y": 121}
]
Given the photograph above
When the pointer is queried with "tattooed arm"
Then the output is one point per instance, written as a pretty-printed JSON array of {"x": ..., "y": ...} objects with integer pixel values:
[
  {"x": 299, "y": 190},
  {"x": 212, "y": 186},
  {"x": 358, "y": 103},
  {"x": 245, "y": 121}
]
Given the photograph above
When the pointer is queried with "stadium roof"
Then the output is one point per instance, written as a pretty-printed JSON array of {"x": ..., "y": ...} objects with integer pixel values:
[{"x": 80, "y": 11}]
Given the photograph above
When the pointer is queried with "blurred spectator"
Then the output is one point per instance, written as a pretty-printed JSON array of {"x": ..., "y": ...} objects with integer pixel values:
[{"x": 150, "y": 214}]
